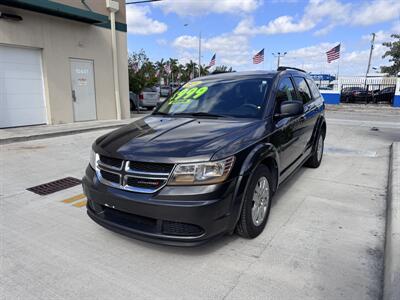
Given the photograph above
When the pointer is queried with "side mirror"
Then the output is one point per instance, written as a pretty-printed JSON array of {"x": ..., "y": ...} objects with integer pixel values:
[{"x": 290, "y": 109}]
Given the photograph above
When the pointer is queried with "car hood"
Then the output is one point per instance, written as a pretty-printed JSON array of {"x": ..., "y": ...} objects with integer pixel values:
[{"x": 174, "y": 139}]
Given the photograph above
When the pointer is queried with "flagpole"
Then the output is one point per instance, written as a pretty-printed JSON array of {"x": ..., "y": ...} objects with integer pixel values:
[{"x": 264, "y": 60}]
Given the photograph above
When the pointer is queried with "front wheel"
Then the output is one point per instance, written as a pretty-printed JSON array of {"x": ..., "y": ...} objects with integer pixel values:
[
  {"x": 257, "y": 204},
  {"x": 315, "y": 160}
]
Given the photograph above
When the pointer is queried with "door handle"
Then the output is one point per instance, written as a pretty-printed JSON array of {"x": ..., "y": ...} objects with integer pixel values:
[{"x": 73, "y": 96}]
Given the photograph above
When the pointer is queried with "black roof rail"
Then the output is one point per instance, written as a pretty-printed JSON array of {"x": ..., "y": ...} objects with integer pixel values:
[{"x": 283, "y": 68}]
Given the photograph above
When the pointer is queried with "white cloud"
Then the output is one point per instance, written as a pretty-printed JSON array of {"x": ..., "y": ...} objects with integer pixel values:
[
  {"x": 316, "y": 11},
  {"x": 376, "y": 12},
  {"x": 380, "y": 37},
  {"x": 202, "y": 7},
  {"x": 396, "y": 27},
  {"x": 231, "y": 50},
  {"x": 313, "y": 59},
  {"x": 140, "y": 23},
  {"x": 326, "y": 14}
]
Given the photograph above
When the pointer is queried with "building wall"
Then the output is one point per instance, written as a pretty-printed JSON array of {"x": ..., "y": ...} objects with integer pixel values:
[{"x": 61, "y": 39}]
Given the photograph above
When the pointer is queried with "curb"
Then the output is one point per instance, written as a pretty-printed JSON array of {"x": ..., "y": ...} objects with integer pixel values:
[
  {"x": 55, "y": 134},
  {"x": 391, "y": 282}
]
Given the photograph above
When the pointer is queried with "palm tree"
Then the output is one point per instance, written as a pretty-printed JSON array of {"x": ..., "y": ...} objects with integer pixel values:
[
  {"x": 222, "y": 69},
  {"x": 191, "y": 70},
  {"x": 173, "y": 63},
  {"x": 160, "y": 65}
]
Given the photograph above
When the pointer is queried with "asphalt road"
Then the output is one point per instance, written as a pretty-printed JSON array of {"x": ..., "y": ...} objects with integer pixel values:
[{"x": 324, "y": 238}]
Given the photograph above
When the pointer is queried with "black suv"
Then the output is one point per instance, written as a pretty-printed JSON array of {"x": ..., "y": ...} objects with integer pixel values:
[{"x": 209, "y": 159}]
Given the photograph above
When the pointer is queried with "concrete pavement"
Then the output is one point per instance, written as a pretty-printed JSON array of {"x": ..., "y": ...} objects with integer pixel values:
[
  {"x": 20, "y": 134},
  {"x": 324, "y": 238},
  {"x": 392, "y": 245}
]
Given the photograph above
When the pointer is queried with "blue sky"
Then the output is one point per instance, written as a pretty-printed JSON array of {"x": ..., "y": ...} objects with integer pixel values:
[{"x": 236, "y": 29}]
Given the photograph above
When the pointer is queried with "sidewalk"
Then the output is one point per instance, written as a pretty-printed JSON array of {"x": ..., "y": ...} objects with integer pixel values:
[
  {"x": 18, "y": 134},
  {"x": 351, "y": 107}
]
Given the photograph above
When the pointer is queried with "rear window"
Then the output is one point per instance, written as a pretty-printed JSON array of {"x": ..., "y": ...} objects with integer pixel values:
[{"x": 150, "y": 89}]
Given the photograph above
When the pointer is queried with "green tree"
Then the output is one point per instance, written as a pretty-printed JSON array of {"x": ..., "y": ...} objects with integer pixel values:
[
  {"x": 173, "y": 63},
  {"x": 394, "y": 56},
  {"x": 160, "y": 65},
  {"x": 222, "y": 69},
  {"x": 204, "y": 70},
  {"x": 141, "y": 71}
]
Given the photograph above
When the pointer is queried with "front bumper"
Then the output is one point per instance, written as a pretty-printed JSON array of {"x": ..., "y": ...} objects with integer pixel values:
[{"x": 175, "y": 215}]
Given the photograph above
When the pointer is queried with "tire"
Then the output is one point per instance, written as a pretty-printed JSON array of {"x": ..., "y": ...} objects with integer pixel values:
[
  {"x": 249, "y": 226},
  {"x": 315, "y": 160}
]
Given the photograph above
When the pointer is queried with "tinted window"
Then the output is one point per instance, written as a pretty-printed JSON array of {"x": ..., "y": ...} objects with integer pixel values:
[
  {"x": 304, "y": 91},
  {"x": 286, "y": 91},
  {"x": 243, "y": 98},
  {"x": 314, "y": 89},
  {"x": 150, "y": 89}
]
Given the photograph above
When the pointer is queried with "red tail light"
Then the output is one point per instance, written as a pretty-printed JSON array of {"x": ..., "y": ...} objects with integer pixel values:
[{"x": 141, "y": 96}]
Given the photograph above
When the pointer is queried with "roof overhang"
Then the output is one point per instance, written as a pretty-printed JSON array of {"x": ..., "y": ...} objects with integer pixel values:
[{"x": 58, "y": 10}]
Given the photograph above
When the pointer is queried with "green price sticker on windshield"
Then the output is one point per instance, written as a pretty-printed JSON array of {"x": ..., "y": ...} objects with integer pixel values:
[{"x": 187, "y": 95}]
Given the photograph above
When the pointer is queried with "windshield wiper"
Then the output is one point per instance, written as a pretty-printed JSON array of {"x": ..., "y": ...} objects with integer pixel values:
[
  {"x": 161, "y": 113},
  {"x": 202, "y": 114}
]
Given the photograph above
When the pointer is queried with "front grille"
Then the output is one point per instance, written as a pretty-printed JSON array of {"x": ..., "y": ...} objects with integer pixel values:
[
  {"x": 141, "y": 177},
  {"x": 151, "y": 225},
  {"x": 112, "y": 162},
  {"x": 181, "y": 229},
  {"x": 130, "y": 220},
  {"x": 150, "y": 167},
  {"x": 145, "y": 182},
  {"x": 112, "y": 177}
]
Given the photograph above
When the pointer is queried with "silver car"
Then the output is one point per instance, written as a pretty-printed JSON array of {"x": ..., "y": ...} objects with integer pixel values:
[
  {"x": 149, "y": 97},
  {"x": 165, "y": 90}
]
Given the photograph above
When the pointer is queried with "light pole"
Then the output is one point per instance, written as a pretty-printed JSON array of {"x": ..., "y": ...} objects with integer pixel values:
[
  {"x": 279, "y": 55},
  {"x": 186, "y": 25}
]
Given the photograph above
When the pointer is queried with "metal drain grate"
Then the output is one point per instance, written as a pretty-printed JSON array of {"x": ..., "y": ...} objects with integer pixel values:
[{"x": 54, "y": 186}]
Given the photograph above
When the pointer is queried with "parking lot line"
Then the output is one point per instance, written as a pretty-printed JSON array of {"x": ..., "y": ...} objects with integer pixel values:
[
  {"x": 74, "y": 198},
  {"x": 79, "y": 204}
]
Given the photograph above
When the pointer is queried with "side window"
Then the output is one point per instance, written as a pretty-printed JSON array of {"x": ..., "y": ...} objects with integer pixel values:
[
  {"x": 304, "y": 91},
  {"x": 286, "y": 91},
  {"x": 314, "y": 89}
]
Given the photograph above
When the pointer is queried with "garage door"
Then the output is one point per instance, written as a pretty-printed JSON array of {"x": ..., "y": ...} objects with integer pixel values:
[{"x": 21, "y": 87}]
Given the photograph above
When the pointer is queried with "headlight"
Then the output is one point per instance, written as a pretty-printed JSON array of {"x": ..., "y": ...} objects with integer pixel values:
[
  {"x": 202, "y": 173},
  {"x": 93, "y": 159}
]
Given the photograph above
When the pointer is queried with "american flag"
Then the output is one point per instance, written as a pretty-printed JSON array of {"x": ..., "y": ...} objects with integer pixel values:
[
  {"x": 212, "y": 61},
  {"x": 333, "y": 54},
  {"x": 259, "y": 57},
  {"x": 167, "y": 68}
]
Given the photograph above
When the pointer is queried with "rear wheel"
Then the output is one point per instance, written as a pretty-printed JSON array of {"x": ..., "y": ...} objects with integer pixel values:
[
  {"x": 315, "y": 160},
  {"x": 257, "y": 204}
]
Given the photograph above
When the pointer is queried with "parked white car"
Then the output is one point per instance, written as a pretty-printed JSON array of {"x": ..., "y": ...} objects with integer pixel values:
[{"x": 149, "y": 97}]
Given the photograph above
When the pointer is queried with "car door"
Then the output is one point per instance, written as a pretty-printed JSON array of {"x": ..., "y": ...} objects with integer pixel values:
[
  {"x": 286, "y": 134},
  {"x": 310, "y": 115}
]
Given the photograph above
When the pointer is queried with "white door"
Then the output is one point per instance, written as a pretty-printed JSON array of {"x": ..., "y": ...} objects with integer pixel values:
[
  {"x": 21, "y": 87},
  {"x": 83, "y": 94}
]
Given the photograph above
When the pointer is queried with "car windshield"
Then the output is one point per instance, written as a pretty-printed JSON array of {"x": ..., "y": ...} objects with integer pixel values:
[{"x": 241, "y": 98}]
